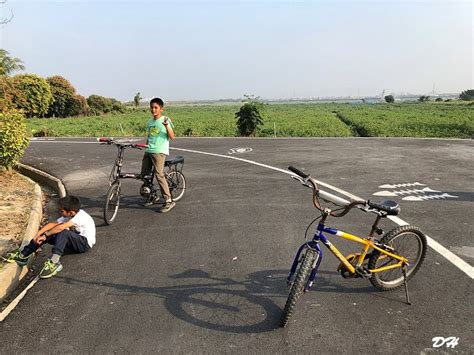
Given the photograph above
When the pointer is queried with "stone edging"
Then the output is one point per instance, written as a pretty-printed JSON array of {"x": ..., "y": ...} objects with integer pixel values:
[
  {"x": 44, "y": 178},
  {"x": 12, "y": 274}
]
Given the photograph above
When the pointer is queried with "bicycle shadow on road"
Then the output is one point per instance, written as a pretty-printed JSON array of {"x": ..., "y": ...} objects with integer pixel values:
[
  {"x": 94, "y": 206},
  {"x": 251, "y": 305}
]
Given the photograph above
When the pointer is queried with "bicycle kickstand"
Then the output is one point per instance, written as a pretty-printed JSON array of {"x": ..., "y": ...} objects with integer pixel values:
[{"x": 406, "y": 284}]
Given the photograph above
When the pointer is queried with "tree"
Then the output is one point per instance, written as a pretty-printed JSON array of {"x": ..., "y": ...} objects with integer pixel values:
[
  {"x": 136, "y": 99},
  {"x": 9, "y": 64},
  {"x": 63, "y": 93},
  {"x": 248, "y": 117},
  {"x": 77, "y": 106},
  {"x": 389, "y": 99},
  {"x": 5, "y": 20},
  {"x": 99, "y": 104},
  {"x": 424, "y": 98},
  {"x": 34, "y": 94},
  {"x": 467, "y": 95}
]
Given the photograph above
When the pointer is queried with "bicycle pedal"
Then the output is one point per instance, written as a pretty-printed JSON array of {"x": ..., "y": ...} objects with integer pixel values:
[{"x": 362, "y": 272}]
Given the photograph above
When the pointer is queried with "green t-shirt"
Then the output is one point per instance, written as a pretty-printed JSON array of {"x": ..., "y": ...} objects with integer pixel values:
[{"x": 158, "y": 140}]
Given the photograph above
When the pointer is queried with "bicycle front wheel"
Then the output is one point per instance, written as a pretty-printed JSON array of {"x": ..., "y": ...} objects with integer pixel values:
[
  {"x": 407, "y": 241},
  {"x": 176, "y": 184},
  {"x": 298, "y": 285},
  {"x": 112, "y": 203}
]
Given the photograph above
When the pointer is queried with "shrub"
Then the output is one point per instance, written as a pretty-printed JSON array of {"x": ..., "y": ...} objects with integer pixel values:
[
  {"x": 389, "y": 99},
  {"x": 77, "y": 106},
  {"x": 118, "y": 106},
  {"x": 32, "y": 94},
  {"x": 248, "y": 117},
  {"x": 467, "y": 95},
  {"x": 8, "y": 91},
  {"x": 63, "y": 92},
  {"x": 13, "y": 137},
  {"x": 424, "y": 98},
  {"x": 99, "y": 104},
  {"x": 439, "y": 99}
]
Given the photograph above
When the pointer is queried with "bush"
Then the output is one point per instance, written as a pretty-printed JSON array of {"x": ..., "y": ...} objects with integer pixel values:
[
  {"x": 248, "y": 117},
  {"x": 32, "y": 94},
  {"x": 13, "y": 137},
  {"x": 389, "y": 99},
  {"x": 439, "y": 99},
  {"x": 424, "y": 98},
  {"x": 77, "y": 106},
  {"x": 99, "y": 104},
  {"x": 118, "y": 106},
  {"x": 467, "y": 95},
  {"x": 8, "y": 91},
  {"x": 63, "y": 92}
]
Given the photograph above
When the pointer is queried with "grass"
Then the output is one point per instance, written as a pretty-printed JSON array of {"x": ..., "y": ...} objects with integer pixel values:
[{"x": 453, "y": 120}]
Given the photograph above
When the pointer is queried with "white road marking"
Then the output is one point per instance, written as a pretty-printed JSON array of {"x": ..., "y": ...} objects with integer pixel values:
[
  {"x": 428, "y": 197},
  {"x": 447, "y": 254},
  {"x": 403, "y": 192},
  {"x": 17, "y": 299},
  {"x": 450, "y": 256},
  {"x": 389, "y": 186}
]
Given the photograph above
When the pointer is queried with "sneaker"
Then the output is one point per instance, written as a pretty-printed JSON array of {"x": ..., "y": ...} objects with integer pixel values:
[
  {"x": 50, "y": 269},
  {"x": 167, "y": 206},
  {"x": 16, "y": 256},
  {"x": 151, "y": 202}
]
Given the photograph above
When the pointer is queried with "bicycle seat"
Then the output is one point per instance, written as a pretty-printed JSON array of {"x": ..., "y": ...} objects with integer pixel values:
[
  {"x": 174, "y": 160},
  {"x": 392, "y": 208}
]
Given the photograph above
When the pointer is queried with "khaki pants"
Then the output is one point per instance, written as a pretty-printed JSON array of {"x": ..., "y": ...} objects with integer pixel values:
[{"x": 158, "y": 160}]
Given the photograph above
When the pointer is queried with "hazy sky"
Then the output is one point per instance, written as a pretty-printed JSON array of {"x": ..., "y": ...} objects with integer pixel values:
[{"x": 224, "y": 49}]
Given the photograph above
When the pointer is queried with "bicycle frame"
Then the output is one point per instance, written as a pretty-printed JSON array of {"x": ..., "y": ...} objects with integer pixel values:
[
  {"x": 367, "y": 243},
  {"x": 174, "y": 164},
  {"x": 116, "y": 172}
]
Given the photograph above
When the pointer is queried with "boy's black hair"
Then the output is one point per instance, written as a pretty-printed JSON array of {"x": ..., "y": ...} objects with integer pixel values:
[
  {"x": 157, "y": 100},
  {"x": 70, "y": 203}
]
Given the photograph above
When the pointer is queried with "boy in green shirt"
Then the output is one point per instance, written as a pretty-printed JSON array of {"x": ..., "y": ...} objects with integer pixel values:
[{"x": 159, "y": 132}]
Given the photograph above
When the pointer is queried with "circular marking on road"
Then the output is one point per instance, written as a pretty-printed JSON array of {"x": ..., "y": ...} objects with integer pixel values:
[{"x": 239, "y": 150}]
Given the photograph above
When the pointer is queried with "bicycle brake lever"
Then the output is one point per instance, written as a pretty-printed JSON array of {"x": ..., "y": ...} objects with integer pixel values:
[{"x": 300, "y": 180}]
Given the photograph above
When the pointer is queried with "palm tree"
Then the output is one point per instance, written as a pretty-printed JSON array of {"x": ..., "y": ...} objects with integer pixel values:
[{"x": 9, "y": 64}]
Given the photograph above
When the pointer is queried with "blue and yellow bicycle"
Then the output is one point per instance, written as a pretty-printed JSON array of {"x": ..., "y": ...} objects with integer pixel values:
[{"x": 388, "y": 260}]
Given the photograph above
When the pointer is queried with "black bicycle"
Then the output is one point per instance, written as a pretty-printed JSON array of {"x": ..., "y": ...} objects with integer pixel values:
[{"x": 150, "y": 190}]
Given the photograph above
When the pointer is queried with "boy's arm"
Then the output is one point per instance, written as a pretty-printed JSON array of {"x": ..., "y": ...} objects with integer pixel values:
[
  {"x": 47, "y": 227},
  {"x": 55, "y": 229},
  {"x": 169, "y": 129}
]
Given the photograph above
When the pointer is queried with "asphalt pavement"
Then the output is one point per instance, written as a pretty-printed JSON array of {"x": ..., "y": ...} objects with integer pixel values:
[{"x": 209, "y": 276}]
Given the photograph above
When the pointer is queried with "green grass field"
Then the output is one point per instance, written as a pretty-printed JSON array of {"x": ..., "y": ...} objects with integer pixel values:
[{"x": 455, "y": 120}]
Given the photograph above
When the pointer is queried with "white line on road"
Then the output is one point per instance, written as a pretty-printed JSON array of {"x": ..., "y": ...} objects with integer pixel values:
[
  {"x": 449, "y": 255},
  {"x": 443, "y": 251}
]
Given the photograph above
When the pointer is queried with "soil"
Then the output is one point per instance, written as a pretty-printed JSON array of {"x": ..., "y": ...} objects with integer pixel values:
[{"x": 16, "y": 199}]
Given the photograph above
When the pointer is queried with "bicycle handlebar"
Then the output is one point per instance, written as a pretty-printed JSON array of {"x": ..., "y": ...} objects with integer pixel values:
[
  {"x": 347, "y": 205},
  {"x": 106, "y": 140}
]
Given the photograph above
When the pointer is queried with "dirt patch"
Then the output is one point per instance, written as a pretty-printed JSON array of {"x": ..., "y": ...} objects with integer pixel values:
[{"x": 16, "y": 199}]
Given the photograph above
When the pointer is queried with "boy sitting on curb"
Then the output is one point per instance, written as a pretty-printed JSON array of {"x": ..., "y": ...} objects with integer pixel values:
[{"x": 73, "y": 232}]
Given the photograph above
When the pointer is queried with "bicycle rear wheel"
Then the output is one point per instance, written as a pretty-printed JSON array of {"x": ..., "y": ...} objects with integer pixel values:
[
  {"x": 298, "y": 285},
  {"x": 176, "y": 184},
  {"x": 112, "y": 203},
  {"x": 407, "y": 241}
]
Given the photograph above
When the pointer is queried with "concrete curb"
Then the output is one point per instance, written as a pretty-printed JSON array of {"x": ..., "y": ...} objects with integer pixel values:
[
  {"x": 43, "y": 178},
  {"x": 12, "y": 274}
]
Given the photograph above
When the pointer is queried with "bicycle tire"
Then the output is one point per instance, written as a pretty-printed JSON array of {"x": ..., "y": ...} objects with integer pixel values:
[
  {"x": 298, "y": 285},
  {"x": 392, "y": 279},
  {"x": 176, "y": 183},
  {"x": 112, "y": 203}
]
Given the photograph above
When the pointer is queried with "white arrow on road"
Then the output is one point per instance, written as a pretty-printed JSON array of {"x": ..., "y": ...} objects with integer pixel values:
[
  {"x": 404, "y": 192},
  {"x": 396, "y": 186}
]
